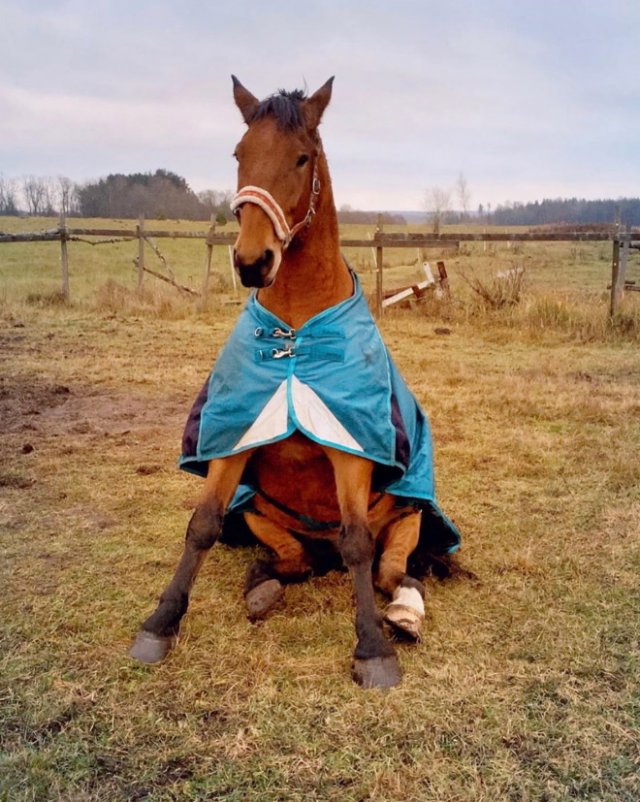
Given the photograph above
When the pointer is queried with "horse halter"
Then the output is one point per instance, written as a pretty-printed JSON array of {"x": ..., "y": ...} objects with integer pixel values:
[{"x": 270, "y": 206}]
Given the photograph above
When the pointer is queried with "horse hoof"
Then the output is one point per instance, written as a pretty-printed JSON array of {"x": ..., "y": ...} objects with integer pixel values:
[
  {"x": 377, "y": 672},
  {"x": 405, "y": 621},
  {"x": 263, "y": 598},
  {"x": 150, "y": 648}
]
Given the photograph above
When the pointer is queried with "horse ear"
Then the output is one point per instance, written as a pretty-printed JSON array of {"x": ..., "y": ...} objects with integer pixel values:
[
  {"x": 313, "y": 108},
  {"x": 245, "y": 101}
]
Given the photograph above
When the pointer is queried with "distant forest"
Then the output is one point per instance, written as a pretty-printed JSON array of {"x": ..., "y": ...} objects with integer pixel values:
[
  {"x": 570, "y": 210},
  {"x": 164, "y": 194},
  {"x": 158, "y": 195}
]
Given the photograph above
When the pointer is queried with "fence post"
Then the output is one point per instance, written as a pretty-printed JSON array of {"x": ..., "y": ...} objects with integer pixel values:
[
  {"x": 624, "y": 259},
  {"x": 379, "y": 290},
  {"x": 207, "y": 259},
  {"x": 616, "y": 289},
  {"x": 140, "y": 235},
  {"x": 64, "y": 257},
  {"x": 444, "y": 280}
]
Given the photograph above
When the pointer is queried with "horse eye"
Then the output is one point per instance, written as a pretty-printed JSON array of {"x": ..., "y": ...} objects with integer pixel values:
[
  {"x": 235, "y": 156},
  {"x": 302, "y": 160}
]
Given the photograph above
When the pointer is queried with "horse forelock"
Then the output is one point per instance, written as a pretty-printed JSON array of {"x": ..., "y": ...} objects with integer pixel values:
[{"x": 284, "y": 108}]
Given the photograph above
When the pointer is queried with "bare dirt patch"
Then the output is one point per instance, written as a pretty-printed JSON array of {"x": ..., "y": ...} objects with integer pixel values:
[
  {"x": 23, "y": 399},
  {"x": 31, "y": 404},
  {"x": 114, "y": 413}
]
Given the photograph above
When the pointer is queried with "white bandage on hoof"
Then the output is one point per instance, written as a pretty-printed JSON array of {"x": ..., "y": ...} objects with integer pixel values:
[{"x": 406, "y": 612}]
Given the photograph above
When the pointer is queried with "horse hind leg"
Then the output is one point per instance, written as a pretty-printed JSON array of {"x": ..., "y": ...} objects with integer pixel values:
[
  {"x": 264, "y": 584},
  {"x": 405, "y": 612},
  {"x": 159, "y": 633}
]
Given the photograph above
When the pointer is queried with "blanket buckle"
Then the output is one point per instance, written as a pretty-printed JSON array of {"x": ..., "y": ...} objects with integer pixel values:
[
  {"x": 278, "y": 353},
  {"x": 278, "y": 332}
]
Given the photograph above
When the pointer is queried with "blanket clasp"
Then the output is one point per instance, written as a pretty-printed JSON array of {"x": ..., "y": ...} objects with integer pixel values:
[
  {"x": 278, "y": 332},
  {"x": 278, "y": 353}
]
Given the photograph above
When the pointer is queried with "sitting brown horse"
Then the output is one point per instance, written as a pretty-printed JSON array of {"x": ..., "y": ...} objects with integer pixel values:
[{"x": 306, "y": 447}]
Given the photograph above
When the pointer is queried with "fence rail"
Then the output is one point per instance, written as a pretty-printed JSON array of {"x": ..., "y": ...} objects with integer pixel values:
[
  {"x": 383, "y": 238},
  {"x": 622, "y": 241}
]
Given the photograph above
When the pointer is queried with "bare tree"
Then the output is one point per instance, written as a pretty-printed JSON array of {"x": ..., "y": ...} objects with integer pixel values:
[
  {"x": 438, "y": 205},
  {"x": 33, "y": 191},
  {"x": 8, "y": 197},
  {"x": 464, "y": 196},
  {"x": 38, "y": 193},
  {"x": 217, "y": 202},
  {"x": 65, "y": 192}
]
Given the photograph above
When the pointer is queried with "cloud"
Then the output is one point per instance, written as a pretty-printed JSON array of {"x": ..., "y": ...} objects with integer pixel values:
[
  {"x": 65, "y": 119},
  {"x": 523, "y": 104}
]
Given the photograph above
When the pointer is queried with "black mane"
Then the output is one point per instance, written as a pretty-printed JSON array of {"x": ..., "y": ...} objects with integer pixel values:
[{"x": 284, "y": 107}]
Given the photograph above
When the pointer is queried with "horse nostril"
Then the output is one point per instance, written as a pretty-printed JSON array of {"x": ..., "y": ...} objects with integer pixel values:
[
  {"x": 237, "y": 262},
  {"x": 254, "y": 272}
]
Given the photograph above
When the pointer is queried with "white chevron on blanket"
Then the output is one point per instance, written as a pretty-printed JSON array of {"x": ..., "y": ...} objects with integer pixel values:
[{"x": 309, "y": 410}]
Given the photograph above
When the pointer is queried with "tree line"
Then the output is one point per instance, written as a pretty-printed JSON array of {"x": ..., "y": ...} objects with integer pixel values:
[
  {"x": 453, "y": 205},
  {"x": 568, "y": 210},
  {"x": 158, "y": 195},
  {"x": 164, "y": 194}
]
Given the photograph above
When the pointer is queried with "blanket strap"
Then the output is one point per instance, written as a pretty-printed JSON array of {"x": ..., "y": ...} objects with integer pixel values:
[{"x": 311, "y": 523}]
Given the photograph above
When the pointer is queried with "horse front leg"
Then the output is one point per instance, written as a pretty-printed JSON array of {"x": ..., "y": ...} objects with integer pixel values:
[
  {"x": 374, "y": 662},
  {"x": 159, "y": 633}
]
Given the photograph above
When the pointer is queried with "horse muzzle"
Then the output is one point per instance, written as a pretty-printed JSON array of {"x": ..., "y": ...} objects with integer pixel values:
[{"x": 260, "y": 272}]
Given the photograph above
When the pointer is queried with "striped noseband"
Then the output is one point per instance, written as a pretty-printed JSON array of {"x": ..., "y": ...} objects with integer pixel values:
[{"x": 270, "y": 206}]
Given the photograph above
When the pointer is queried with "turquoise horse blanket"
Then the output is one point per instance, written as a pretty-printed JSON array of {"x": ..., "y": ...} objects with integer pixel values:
[{"x": 333, "y": 380}]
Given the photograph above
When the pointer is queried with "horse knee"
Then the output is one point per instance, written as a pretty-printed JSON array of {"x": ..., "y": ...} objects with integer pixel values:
[
  {"x": 204, "y": 527},
  {"x": 356, "y": 544}
]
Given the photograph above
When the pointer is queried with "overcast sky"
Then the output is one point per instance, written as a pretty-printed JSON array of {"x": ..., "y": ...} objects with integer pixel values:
[{"x": 528, "y": 99}]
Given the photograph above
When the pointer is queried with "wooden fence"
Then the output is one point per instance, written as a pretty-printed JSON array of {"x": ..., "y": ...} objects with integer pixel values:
[{"x": 622, "y": 241}]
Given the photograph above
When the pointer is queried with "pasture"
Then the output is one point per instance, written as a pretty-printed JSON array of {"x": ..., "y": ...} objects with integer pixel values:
[{"x": 525, "y": 686}]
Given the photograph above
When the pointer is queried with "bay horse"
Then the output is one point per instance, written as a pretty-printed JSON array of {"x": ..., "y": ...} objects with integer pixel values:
[{"x": 285, "y": 429}]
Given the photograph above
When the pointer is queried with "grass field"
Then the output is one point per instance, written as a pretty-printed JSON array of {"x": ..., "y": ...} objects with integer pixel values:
[{"x": 526, "y": 685}]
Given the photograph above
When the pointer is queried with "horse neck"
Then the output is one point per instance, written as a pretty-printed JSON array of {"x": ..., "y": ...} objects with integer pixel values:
[{"x": 313, "y": 275}]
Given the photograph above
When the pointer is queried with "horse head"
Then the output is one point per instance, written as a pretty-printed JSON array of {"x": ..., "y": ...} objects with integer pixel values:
[{"x": 278, "y": 182}]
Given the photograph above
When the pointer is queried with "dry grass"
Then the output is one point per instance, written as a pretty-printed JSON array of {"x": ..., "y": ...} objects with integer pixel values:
[{"x": 525, "y": 687}]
